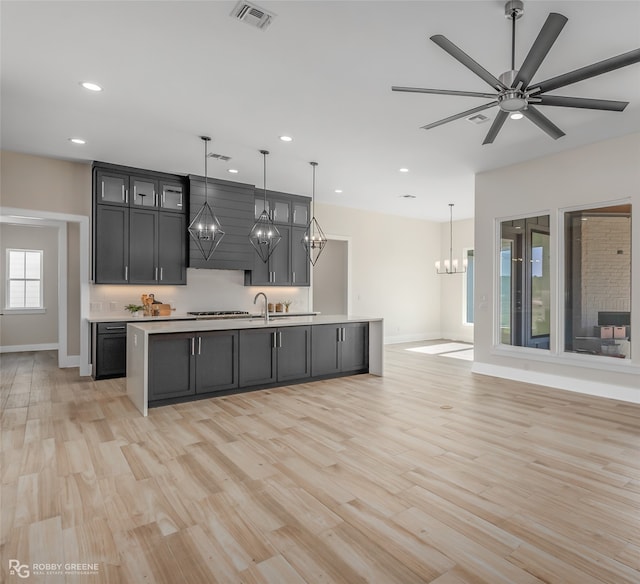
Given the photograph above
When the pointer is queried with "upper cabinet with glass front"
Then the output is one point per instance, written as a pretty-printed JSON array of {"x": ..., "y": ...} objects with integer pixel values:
[{"x": 597, "y": 279}]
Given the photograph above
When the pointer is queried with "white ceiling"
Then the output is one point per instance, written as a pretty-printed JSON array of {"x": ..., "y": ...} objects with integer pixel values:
[{"x": 322, "y": 73}]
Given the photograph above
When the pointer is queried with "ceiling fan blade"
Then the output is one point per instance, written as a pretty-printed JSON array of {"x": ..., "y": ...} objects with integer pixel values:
[
  {"x": 443, "y": 92},
  {"x": 458, "y": 54},
  {"x": 542, "y": 122},
  {"x": 495, "y": 127},
  {"x": 542, "y": 45},
  {"x": 587, "y": 72},
  {"x": 596, "y": 104},
  {"x": 470, "y": 112}
]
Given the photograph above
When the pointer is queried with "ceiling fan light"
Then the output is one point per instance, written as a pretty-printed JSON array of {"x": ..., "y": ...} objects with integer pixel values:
[{"x": 516, "y": 116}]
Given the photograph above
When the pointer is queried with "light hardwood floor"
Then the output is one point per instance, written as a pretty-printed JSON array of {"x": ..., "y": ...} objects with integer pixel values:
[{"x": 360, "y": 479}]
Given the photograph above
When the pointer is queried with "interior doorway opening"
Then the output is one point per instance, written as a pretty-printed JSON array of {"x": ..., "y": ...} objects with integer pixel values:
[{"x": 331, "y": 278}]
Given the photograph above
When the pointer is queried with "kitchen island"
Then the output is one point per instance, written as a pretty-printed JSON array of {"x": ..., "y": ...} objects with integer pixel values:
[{"x": 174, "y": 361}]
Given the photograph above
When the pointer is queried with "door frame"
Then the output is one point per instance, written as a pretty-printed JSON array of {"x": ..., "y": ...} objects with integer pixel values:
[{"x": 61, "y": 220}]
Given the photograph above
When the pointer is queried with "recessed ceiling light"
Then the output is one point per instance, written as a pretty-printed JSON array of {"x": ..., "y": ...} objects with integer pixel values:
[
  {"x": 91, "y": 86},
  {"x": 516, "y": 116},
  {"x": 338, "y": 191},
  {"x": 233, "y": 171},
  {"x": 77, "y": 140},
  {"x": 403, "y": 169},
  {"x": 286, "y": 138}
]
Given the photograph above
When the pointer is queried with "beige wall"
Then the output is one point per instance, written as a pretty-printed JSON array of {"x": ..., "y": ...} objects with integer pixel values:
[
  {"x": 47, "y": 184},
  {"x": 330, "y": 279},
  {"x": 591, "y": 175},
  {"x": 392, "y": 273},
  {"x": 452, "y": 287},
  {"x": 20, "y": 329}
]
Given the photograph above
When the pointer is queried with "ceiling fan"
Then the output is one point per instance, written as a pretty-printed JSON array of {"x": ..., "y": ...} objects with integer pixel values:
[{"x": 516, "y": 94}]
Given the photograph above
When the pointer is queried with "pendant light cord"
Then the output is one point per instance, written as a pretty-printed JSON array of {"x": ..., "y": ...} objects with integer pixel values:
[
  {"x": 264, "y": 176},
  {"x": 513, "y": 40},
  {"x": 313, "y": 189}
]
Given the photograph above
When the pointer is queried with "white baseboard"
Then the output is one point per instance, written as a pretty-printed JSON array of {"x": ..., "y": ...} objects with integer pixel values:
[
  {"x": 456, "y": 336},
  {"x": 24, "y": 348},
  {"x": 595, "y": 388},
  {"x": 394, "y": 339},
  {"x": 70, "y": 361}
]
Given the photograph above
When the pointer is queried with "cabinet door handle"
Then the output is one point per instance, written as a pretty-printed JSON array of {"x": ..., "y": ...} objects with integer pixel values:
[
  {"x": 155, "y": 277},
  {"x": 126, "y": 273},
  {"x": 293, "y": 277},
  {"x": 161, "y": 274},
  {"x": 199, "y": 345},
  {"x": 126, "y": 195},
  {"x": 102, "y": 183},
  {"x": 280, "y": 339},
  {"x": 163, "y": 199},
  {"x": 193, "y": 345},
  {"x": 123, "y": 193},
  {"x": 155, "y": 198},
  {"x": 116, "y": 328},
  {"x": 274, "y": 341},
  {"x": 338, "y": 334}
]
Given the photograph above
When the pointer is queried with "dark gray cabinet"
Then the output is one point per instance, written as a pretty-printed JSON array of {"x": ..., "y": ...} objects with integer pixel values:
[
  {"x": 257, "y": 356},
  {"x": 109, "y": 349},
  {"x": 111, "y": 244},
  {"x": 289, "y": 262},
  {"x": 139, "y": 230},
  {"x": 339, "y": 348},
  {"x": 186, "y": 364},
  {"x": 271, "y": 355},
  {"x": 171, "y": 366},
  {"x": 232, "y": 204}
]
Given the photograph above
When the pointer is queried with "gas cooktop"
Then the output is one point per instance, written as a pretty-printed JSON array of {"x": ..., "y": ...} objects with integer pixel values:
[{"x": 220, "y": 313}]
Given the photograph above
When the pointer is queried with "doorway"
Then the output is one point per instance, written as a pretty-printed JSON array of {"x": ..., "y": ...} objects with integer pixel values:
[{"x": 331, "y": 279}]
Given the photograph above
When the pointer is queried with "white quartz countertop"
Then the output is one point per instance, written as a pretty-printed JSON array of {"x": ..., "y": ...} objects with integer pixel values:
[
  {"x": 128, "y": 318},
  {"x": 186, "y": 326},
  {"x": 182, "y": 316}
]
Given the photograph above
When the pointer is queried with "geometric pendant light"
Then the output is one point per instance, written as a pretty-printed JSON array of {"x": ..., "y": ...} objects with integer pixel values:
[
  {"x": 205, "y": 228},
  {"x": 314, "y": 239},
  {"x": 451, "y": 265},
  {"x": 264, "y": 235}
]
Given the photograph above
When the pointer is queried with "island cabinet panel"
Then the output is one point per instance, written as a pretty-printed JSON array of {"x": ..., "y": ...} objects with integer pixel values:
[
  {"x": 355, "y": 346},
  {"x": 217, "y": 361},
  {"x": 232, "y": 204},
  {"x": 274, "y": 354},
  {"x": 184, "y": 364},
  {"x": 171, "y": 366},
  {"x": 293, "y": 352},
  {"x": 339, "y": 348},
  {"x": 257, "y": 357}
]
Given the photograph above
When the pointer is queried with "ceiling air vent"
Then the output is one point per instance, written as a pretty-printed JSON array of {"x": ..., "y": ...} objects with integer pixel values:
[
  {"x": 252, "y": 14},
  {"x": 478, "y": 119},
  {"x": 219, "y": 157}
]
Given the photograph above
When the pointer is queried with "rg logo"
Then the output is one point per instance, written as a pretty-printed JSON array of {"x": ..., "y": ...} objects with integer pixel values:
[{"x": 21, "y": 570}]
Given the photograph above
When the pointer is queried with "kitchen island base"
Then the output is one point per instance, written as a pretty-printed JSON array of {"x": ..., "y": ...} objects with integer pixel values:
[{"x": 183, "y": 361}]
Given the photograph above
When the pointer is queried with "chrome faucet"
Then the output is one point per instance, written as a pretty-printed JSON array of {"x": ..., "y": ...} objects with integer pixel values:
[{"x": 266, "y": 306}]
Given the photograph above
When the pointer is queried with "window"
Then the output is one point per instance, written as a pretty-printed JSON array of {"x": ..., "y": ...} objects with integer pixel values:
[
  {"x": 597, "y": 306},
  {"x": 525, "y": 287},
  {"x": 24, "y": 279},
  {"x": 468, "y": 287}
]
